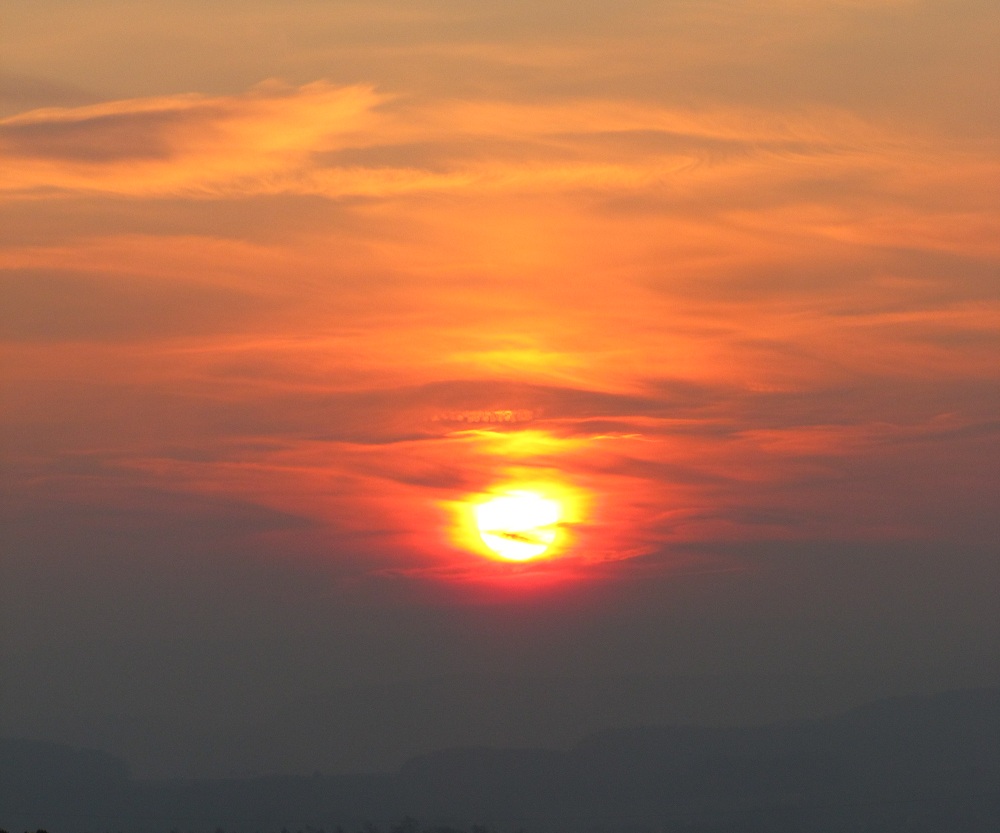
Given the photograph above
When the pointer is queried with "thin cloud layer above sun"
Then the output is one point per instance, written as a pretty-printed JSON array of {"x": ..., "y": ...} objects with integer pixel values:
[
  {"x": 183, "y": 144},
  {"x": 655, "y": 255},
  {"x": 339, "y": 142}
]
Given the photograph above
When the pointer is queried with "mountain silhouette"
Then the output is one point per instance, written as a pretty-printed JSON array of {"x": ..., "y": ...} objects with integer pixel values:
[{"x": 910, "y": 764}]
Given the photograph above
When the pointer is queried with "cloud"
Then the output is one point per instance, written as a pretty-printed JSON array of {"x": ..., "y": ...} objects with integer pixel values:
[
  {"x": 687, "y": 463},
  {"x": 26, "y": 92},
  {"x": 180, "y": 144},
  {"x": 352, "y": 141},
  {"x": 50, "y": 306}
]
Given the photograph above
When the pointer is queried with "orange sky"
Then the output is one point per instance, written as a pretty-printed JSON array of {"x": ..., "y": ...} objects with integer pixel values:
[{"x": 725, "y": 272}]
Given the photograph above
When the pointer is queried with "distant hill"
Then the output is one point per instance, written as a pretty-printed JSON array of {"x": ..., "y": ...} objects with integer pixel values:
[
  {"x": 47, "y": 781},
  {"x": 895, "y": 764},
  {"x": 337, "y": 725},
  {"x": 908, "y": 764}
]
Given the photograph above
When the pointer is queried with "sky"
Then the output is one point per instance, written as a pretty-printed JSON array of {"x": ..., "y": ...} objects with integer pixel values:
[{"x": 288, "y": 289}]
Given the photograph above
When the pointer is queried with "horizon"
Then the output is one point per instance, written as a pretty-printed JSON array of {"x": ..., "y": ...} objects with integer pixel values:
[
  {"x": 917, "y": 762},
  {"x": 624, "y": 730}
]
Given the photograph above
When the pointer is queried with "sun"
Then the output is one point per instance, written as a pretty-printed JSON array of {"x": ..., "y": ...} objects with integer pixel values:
[
  {"x": 519, "y": 525},
  {"x": 520, "y": 519}
]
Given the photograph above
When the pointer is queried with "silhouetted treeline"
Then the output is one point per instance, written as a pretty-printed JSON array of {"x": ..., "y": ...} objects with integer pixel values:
[{"x": 911, "y": 765}]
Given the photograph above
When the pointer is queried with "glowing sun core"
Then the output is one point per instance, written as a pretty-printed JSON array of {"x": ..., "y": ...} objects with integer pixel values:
[{"x": 518, "y": 525}]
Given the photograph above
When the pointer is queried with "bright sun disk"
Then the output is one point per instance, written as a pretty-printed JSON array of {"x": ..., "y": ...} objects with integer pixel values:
[{"x": 518, "y": 525}]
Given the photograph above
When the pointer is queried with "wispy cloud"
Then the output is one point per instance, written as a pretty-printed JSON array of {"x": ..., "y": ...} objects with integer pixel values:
[
  {"x": 353, "y": 141},
  {"x": 185, "y": 144}
]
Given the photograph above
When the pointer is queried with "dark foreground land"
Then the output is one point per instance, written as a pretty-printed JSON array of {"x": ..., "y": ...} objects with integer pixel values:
[{"x": 909, "y": 764}]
